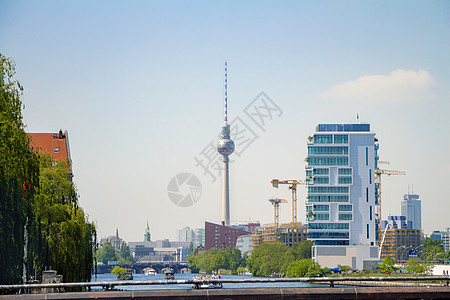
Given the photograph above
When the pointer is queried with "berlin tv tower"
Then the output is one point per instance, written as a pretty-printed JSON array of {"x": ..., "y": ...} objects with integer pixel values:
[{"x": 225, "y": 147}]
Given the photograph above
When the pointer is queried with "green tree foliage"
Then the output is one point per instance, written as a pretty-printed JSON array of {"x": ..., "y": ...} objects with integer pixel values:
[
  {"x": 434, "y": 249},
  {"x": 415, "y": 265},
  {"x": 269, "y": 258},
  {"x": 387, "y": 266},
  {"x": 106, "y": 253},
  {"x": 118, "y": 270},
  {"x": 214, "y": 259},
  {"x": 38, "y": 202},
  {"x": 19, "y": 178},
  {"x": 125, "y": 257},
  {"x": 300, "y": 268}
]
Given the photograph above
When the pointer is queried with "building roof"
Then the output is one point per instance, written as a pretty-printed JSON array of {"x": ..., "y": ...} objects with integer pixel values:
[
  {"x": 342, "y": 127},
  {"x": 53, "y": 143}
]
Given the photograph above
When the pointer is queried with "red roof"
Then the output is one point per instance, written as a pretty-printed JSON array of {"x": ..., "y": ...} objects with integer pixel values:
[{"x": 52, "y": 143}]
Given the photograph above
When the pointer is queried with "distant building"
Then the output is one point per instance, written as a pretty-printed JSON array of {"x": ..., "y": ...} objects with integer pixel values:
[
  {"x": 147, "y": 235},
  {"x": 56, "y": 144},
  {"x": 444, "y": 236},
  {"x": 341, "y": 202},
  {"x": 185, "y": 235},
  {"x": 199, "y": 237},
  {"x": 288, "y": 234},
  {"x": 243, "y": 243},
  {"x": 412, "y": 210},
  {"x": 220, "y": 236},
  {"x": 396, "y": 222},
  {"x": 402, "y": 244},
  {"x": 159, "y": 251}
]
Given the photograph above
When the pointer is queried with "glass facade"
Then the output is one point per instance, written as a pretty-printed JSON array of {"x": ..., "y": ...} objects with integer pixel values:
[
  {"x": 345, "y": 208},
  {"x": 321, "y": 180},
  {"x": 328, "y": 235},
  {"x": 344, "y": 171},
  {"x": 328, "y": 161},
  {"x": 328, "y": 198},
  {"x": 341, "y": 139},
  {"x": 319, "y": 171},
  {"x": 345, "y": 217},
  {"x": 328, "y": 189},
  {"x": 322, "y": 216},
  {"x": 332, "y": 243},
  {"x": 327, "y": 150},
  {"x": 329, "y": 226},
  {"x": 345, "y": 180},
  {"x": 323, "y": 139},
  {"x": 321, "y": 208},
  {"x": 342, "y": 127}
]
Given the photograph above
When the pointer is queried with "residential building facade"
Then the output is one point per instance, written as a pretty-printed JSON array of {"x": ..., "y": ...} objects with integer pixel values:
[{"x": 340, "y": 206}]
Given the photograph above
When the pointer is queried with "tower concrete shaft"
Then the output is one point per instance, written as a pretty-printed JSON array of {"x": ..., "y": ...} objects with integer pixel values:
[{"x": 226, "y": 193}]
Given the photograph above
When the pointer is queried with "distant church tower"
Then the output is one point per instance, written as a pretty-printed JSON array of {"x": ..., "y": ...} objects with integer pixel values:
[{"x": 147, "y": 236}]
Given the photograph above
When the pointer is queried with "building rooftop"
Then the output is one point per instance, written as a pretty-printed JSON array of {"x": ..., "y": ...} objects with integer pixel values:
[
  {"x": 342, "y": 127},
  {"x": 52, "y": 143}
]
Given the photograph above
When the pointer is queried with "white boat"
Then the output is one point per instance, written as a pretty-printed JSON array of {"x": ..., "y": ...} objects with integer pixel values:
[
  {"x": 149, "y": 272},
  {"x": 205, "y": 283}
]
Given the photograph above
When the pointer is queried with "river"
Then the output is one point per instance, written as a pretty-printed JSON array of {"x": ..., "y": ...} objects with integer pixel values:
[{"x": 187, "y": 276}]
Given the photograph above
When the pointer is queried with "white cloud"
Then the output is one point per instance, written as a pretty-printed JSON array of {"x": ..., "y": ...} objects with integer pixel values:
[{"x": 398, "y": 86}]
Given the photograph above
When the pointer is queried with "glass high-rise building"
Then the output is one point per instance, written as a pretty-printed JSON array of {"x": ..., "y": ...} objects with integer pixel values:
[
  {"x": 341, "y": 202},
  {"x": 412, "y": 210}
]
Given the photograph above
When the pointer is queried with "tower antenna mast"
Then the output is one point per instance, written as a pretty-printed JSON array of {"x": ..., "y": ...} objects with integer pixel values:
[{"x": 226, "y": 95}]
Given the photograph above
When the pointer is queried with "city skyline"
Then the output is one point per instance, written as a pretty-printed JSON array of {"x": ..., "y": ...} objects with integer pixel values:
[{"x": 139, "y": 88}]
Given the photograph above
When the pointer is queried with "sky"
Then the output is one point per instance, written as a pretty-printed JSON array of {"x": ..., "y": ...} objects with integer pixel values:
[{"x": 139, "y": 86}]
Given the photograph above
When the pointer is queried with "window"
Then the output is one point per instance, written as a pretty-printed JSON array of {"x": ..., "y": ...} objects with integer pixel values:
[
  {"x": 328, "y": 189},
  {"x": 322, "y": 216},
  {"x": 321, "y": 180},
  {"x": 328, "y": 235},
  {"x": 328, "y": 226},
  {"x": 367, "y": 231},
  {"x": 345, "y": 208},
  {"x": 343, "y": 217},
  {"x": 370, "y": 176},
  {"x": 327, "y": 150},
  {"x": 370, "y": 212},
  {"x": 345, "y": 180},
  {"x": 344, "y": 171},
  {"x": 340, "y": 139},
  {"x": 328, "y": 161},
  {"x": 56, "y": 149},
  {"x": 367, "y": 156},
  {"x": 321, "y": 208},
  {"x": 308, "y": 173},
  {"x": 320, "y": 171},
  {"x": 309, "y": 208},
  {"x": 323, "y": 139},
  {"x": 367, "y": 194}
]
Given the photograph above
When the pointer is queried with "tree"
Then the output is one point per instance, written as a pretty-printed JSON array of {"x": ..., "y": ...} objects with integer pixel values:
[
  {"x": 387, "y": 266},
  {"x": 19, "y": 179},
  {"x": 106, "y": 253},
  {"x": 299, "y": 268},
  {"x": 125, "y": 257},
  {"x": 214, "y": 259},
  {"x": 415, "y": 265},
  {"x": 268, "y": 258}
]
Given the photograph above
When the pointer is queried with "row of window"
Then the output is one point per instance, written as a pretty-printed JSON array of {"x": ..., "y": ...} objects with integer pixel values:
[
  {"x": 345, "y": 217},
  {"x": 328, "y": 226},
  {"x": 321, "y": 180},
  {"x": 344, "y": 180},
  {"x": 344, "y": 171},
  {"x": 321, "y": 207},
  {"x": 333, "y": 243},
  {"x": 328, "y": 139},
  {"x": 323, "y": 198},
  {"x": 345, "y": 208},
  {"x": 319, "y": 171},
  {"x": 327, "y": 189},
  {"x": 322, "y": 216},
  {"x": 328, "y": 161},
  {"x": 328, "y": 235},
  {"x": 327, "y": 150}
]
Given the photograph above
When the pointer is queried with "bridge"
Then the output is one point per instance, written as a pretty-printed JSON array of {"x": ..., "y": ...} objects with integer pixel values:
[{"x": 160, "y": 267}]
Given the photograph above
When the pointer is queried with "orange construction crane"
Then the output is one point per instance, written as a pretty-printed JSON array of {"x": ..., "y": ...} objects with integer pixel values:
[
  {"x": 293, "y": 186},
  {"x": 276, "y": 210},
  {"x": 378, "y": 173}
]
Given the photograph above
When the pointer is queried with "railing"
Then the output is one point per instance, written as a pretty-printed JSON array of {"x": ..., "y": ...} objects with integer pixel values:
[{"x": 111, "y": 284}]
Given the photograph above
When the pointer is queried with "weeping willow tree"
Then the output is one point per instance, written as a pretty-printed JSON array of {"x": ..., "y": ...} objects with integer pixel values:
[{"x": 41, "y": 224}]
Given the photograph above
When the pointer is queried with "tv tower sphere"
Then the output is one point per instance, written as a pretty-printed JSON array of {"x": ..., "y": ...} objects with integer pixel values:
[{"x": 225, "y": 146}]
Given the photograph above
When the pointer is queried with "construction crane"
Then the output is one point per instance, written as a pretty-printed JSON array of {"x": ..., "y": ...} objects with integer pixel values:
[
  {"x": 378, "y": 173},
  {"x": 293, "y": 186},
  {"x": 276, "y": 210}
]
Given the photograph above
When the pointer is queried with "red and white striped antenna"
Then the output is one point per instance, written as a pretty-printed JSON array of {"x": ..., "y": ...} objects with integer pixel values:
[{"x": 226, "y": 113}]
